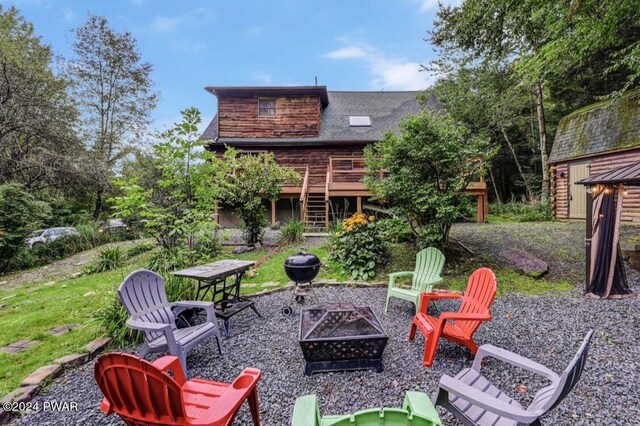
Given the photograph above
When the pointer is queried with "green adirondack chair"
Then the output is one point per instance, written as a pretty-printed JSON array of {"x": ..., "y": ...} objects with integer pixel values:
[
  {"x": 417, "y": 410},
  {"x": 429, "y": 264}
]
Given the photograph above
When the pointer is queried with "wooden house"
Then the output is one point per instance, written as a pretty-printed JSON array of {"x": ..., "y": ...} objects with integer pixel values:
[
  {"x": 319, "y": 133},
  {"x": 593, "y": 140}
]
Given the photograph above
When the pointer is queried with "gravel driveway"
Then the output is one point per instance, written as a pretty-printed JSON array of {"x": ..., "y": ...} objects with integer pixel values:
[{"x": 546, "y": 329}]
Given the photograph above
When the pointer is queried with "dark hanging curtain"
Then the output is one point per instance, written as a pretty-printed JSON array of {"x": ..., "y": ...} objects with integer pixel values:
[{"x": 608, "y": 276}]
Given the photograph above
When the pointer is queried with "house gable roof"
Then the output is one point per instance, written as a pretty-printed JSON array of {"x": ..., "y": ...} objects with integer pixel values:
[
  {"x": 386, "y": 110},
  {"x": 599, "y": 128}
]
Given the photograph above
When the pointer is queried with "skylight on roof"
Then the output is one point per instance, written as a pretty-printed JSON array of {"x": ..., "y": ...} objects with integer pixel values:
[{"x": 359, "y": 121}]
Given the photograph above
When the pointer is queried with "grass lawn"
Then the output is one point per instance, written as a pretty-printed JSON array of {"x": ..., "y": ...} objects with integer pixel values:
[{"x": 34, "y": 308}]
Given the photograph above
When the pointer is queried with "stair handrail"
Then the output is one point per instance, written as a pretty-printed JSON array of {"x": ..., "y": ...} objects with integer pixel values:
[
  {"x": 303, "y": 194},
  {"x": 327, "y": 185}
]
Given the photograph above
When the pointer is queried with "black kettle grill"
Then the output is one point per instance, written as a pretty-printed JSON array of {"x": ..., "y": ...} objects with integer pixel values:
[{"x": 301, "y": 268}]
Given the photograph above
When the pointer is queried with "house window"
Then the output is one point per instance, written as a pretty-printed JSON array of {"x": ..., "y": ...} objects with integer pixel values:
[{"x": 266, "y": 107}]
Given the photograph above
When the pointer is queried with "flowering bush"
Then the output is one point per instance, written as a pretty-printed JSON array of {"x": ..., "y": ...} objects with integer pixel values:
[{"x": 358, "y": 246}]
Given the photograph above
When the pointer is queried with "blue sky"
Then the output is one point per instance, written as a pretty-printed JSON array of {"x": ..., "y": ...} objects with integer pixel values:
[{"x": 347, "y": 44}]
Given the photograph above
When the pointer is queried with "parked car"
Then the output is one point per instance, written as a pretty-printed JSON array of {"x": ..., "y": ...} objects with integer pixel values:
[
  {"x": 42, "y": 236},
  {"x": 113, "y": 225}
]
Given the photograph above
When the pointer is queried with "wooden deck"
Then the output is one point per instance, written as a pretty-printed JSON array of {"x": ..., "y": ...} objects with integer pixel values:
[{"x": 343, "y": 178}]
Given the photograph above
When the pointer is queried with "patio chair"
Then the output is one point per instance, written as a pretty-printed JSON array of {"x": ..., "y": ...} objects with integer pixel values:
[
  {"x": 458, "y": 326},
  {"x": 142, "y": 294},
  {"x": 417, "y": 410},
  {"x": 471, "y": 398},
  {"x": 143, "y": 393},
  {"x": 429, "y": 264}
]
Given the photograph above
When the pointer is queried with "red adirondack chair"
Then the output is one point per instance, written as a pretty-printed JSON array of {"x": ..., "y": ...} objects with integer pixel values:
[
  {"x": 143, "y": 393},
  {"x": 456, "y": 326}
]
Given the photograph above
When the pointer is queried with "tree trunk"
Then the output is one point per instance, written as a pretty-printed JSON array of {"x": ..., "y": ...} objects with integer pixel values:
[
  {"x": 542, "y": 129},
  {"x": 515, "y": 159},
  {"x": 99, "y": 205},
  {"x": 495, "y": 188}
]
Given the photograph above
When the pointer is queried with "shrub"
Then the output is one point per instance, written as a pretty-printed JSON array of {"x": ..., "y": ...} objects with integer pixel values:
[
  {"x": 59, "y": 248},
  {"x": 138, "y": 249},
  {"x": 395, "y": 230},
  {"x": 522, "y": 212},
  {"x": 20, "y": 213},
  {"x": 108, "y": 259},
  {"x": 112, "y": 318},
  {"x": 292, "y": 233},
  {"x": 359, "y": 246}
]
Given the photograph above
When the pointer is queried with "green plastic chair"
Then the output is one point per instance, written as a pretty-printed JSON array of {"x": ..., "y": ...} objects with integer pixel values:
[
  {"x": 417, "y": 410},
  {"x": 429, "y": 264}
]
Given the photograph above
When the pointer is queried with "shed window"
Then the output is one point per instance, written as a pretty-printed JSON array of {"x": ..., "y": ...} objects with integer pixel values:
[{"x": 266, "y": 107}]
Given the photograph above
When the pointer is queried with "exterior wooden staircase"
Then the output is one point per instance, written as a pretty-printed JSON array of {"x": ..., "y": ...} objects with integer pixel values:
[{"x": 314, "y": 201}]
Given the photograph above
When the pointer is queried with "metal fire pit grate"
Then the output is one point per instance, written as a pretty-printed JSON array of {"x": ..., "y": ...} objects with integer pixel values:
[{"x": 341, "y": 336}]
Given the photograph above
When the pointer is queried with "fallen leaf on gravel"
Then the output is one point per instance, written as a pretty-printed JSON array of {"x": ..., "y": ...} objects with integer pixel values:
[
  {"x": 521, "y": 389},
  {"x": 395, "y": 383},
  {"x": 509, "y": 315}
]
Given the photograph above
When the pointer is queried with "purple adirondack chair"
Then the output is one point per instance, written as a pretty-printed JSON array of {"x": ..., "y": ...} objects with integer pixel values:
[
  {"x": 473, "y": 400},
  {"x": 142, "y": 293}
]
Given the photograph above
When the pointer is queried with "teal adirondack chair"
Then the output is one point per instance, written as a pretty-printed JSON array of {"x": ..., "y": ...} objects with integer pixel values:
[
  {"x": 417, "y": 410},
  {"x": 429, "y": 264}
]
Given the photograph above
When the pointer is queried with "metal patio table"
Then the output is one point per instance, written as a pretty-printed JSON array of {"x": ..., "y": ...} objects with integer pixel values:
[{"x": 222, "y": 279}]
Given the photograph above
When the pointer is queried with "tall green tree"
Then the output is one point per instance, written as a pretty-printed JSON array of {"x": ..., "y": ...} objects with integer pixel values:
[
  {"x": 38, "y": 146},
  {"x": 244, "y": 181},
  {"x": 550, "y": 45},
  {"x": 114, "y": 91},
  {"x": 429, "y": 165}
]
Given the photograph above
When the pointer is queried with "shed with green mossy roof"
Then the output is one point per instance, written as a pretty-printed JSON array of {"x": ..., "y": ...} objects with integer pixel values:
[{"x": 592, "y": 140}]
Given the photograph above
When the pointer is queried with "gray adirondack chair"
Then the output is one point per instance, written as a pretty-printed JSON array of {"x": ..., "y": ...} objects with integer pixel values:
[
  {"x": 429, "y": 264},
  {"x": 143, "y": 295},
  {"x": 475, "y": 401}
]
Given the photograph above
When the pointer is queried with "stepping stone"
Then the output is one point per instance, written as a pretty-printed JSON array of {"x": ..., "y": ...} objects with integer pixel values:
[
  {"x": 22, "y": 394},
  {"x": 2, "y": 305},
  {"x": 90, "y": 293},
  {"x": 271, "y": 284},
  {"x": 97, "y": 345},
  {"x": 42, "y": 375},
  {"x": 72, "y": 360},
  {"x": 526, "y": 263},
  {"x": 250, "y": 285},
  {"x": 19, "y": 346},
  {"x": 58, "y": 331},
  {"x": 3, "y": 282},
  {"x": 11, "y": 296},
  {"x": 50, "y": 283}
]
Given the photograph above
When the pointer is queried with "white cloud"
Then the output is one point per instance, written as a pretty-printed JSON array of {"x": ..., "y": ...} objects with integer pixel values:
[
  {"x": 262, "y": 78},
  {"x": 163, "y": 24},
  {"x": 387, "y": 72},
  {"x": 429, "y": 5},
  {"x": 347, "y": 52},
  {"x": 68, "y": 14},
  {"x": 167, "y": 24}
]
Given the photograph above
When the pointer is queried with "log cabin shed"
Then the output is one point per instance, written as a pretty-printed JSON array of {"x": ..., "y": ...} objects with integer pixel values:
[{"x": 590, "y": 141}]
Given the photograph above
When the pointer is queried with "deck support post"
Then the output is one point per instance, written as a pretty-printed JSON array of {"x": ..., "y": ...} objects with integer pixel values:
[
  {"x": 587, "y": 238},
  {"x": 273, "y": 212},
  {"x": 480, "y": 208},
  {"x": 359, "y": 204},
  {"x": 216, "y": 213}
]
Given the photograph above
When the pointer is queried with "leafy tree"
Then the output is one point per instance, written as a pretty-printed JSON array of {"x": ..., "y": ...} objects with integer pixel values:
[
  {"x": 20, "y": 213},
  {"x": 114, "y": 91},
  {"x": 488, "y": 101},
  {"x": 38, "y": 146},
  {"x": 243, "y": 181},
  {"x": 565, "y": 53},
  {"x": 177, "y": 209},
  {"x": 429, "y": 164}
]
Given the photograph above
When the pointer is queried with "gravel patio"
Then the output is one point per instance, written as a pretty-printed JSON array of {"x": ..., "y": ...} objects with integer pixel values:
[{"x": 547, "y": 329}]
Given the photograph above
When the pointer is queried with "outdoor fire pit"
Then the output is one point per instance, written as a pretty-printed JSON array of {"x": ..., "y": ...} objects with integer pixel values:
[{"x": 341, "y": 336}]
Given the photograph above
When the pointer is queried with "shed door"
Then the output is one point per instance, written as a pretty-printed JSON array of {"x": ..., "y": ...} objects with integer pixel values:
[{"x": 577, "y": 193}]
